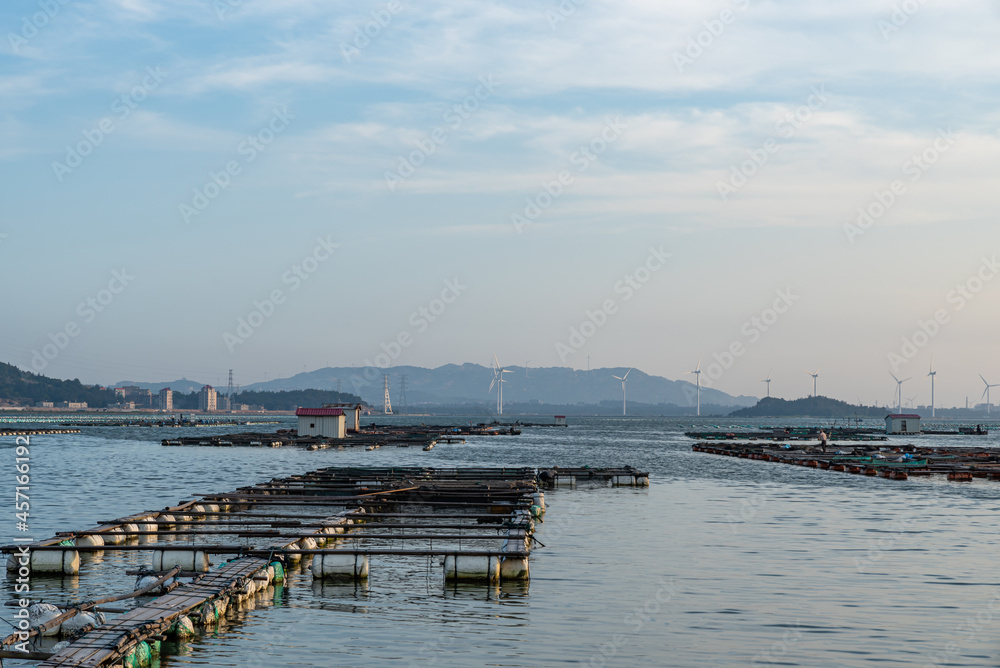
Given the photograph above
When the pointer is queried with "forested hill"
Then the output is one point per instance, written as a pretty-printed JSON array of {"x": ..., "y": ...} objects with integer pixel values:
[
  {"x": 809, "y": 407},
  {"x": 25, "y": 388}
]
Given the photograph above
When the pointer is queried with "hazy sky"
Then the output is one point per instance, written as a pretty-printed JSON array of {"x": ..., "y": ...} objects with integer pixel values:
[{"x": 675, "y": 169}]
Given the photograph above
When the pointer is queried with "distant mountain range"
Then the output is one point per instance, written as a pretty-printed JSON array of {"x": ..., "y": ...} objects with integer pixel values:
[
  {"x": 470, "y": 383},
  {"x": 454, "y": 384}
]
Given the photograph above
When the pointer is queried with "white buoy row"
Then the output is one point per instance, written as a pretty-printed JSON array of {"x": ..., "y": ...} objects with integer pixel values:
[{"x": 211, "y": 612}]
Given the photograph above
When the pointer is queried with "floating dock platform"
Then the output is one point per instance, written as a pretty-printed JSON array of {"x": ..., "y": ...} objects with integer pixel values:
[
  {"x": 896, "y": 463},
  {"x": 477, "y": 524},
  {"x": 371, "y": 436}
]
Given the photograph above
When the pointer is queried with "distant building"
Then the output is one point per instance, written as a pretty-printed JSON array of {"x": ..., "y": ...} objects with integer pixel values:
[
  {"x": 123, "y": 406},
  {"x": 902, "y": 423},
  {"x": 207, "y": 398},
  {"x": 73, "y": 405},
  {"x": 223, "y": 403},
  {"x": 142, "y": 398},
  {"x": 166, "y": 399},
  {"x": 327, "y": 422}
]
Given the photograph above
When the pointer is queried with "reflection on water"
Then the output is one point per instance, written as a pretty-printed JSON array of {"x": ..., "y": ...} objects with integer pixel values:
[{"x": 721, "y": 562}]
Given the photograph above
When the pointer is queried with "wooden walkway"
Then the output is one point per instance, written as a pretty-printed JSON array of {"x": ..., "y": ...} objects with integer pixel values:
[{"x": 111, "y": 642}]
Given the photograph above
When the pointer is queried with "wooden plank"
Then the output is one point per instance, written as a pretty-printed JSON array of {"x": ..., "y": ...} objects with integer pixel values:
[{"x": 112, "y": 641}]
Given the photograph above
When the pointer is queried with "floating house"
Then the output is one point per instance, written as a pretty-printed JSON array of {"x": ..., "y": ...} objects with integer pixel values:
[
  {"x": 352, "y": 412},
  {"x": 325, "y": 422},
  {"x": 902, "y": 423}
]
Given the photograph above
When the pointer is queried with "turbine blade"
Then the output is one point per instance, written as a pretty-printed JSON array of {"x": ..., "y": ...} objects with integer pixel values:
[
  {"x": 627, "y": 373},
  {"x": 984, "y": 380},
  {"x": 894, "y": 376}
]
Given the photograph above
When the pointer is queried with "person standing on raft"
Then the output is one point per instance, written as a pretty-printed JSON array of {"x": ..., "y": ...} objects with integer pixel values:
[{"x": 822, "y": 440}]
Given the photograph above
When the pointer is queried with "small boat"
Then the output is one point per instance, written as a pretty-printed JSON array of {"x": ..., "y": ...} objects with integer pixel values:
[{"x": 429, "y": 446}]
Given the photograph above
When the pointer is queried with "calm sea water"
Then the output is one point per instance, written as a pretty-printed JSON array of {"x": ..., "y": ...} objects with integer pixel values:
[{"x": 720, "y": 562}]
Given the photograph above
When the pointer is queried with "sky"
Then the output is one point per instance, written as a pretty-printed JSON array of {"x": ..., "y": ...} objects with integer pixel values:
[{"x": 274, "y": 186}]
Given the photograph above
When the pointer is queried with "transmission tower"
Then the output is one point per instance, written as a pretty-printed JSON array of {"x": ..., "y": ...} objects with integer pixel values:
[
  {"x": 387, "y": 409},
  {"x": 402, "y": 393},
  {"x": 229, "y": 388}
]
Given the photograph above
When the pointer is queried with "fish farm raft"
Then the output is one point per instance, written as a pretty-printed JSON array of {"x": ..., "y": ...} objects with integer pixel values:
[
  {"x": 895, "y": 463},
  {"x": 371, "y": 437},
  {"x": 342, "y": 524}
]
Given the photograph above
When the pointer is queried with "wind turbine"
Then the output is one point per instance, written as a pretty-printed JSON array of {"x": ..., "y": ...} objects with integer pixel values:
[
  {"x": 768, "y": 381},
  {"x": 623, "y": 379},
  {"x": 697, "y": 375},
  {"x": 899, "y": 391},
  {"x": 912, "y": 399},
  {"x": 526, "y": 368},
  {"x": 815, "y": 377},
  {"x": 987, "y": 393},
  {"x": 498, "y": 380},
  {"x": 932, "y": 374}
]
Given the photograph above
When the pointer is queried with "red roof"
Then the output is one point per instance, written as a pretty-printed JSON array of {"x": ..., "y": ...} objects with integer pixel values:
[
  {"x": 908, "y": 416},
  {"x": 319, "y": 412}
]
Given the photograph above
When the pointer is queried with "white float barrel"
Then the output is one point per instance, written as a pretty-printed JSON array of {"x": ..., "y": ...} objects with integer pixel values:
[
  {"x": 130, "y": 530},
  {"x": 340, "y": 566},
  {"x": 90, "y": 540},
  {"x": 42, "y": 613},
  {"x": 514, "y": 568},
  {"x": 77, "y": 622},
  {"x": 471, "y": 568},
  {"x": 188, "y": 560},
  {"x": 148, "y": 527},
  {"x": 66, "y": 562},
  {"x": 114, "y": 536}
]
